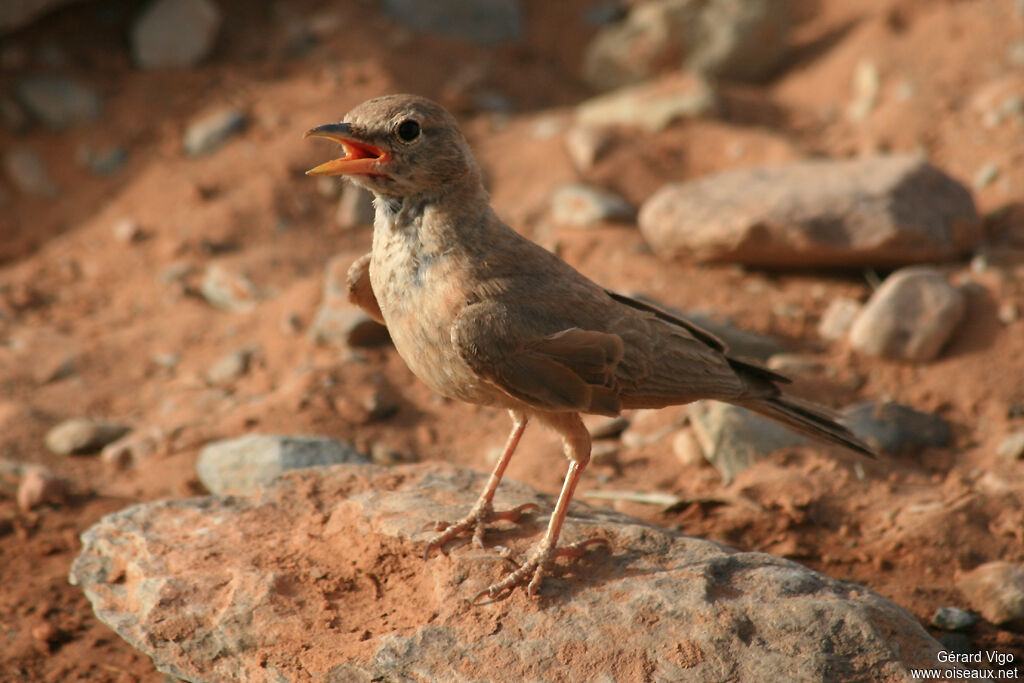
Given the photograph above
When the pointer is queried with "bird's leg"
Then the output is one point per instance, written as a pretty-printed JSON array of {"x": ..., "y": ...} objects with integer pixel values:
[
  {"x": 532, "y": 571},
  {"x": 484, "y": 511}
]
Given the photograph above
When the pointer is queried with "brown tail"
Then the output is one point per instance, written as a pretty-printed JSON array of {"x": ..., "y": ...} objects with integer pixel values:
[
  {"x": 803, "y": 416},
  {"x": 810, "y": 419}
]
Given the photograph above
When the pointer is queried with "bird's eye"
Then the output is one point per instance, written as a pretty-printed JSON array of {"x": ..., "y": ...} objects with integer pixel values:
[{"x": 408, "y": 130}]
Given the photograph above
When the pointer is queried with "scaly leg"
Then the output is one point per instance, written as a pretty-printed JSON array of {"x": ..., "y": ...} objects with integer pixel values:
[
  {"x": 537, "y": 564},
  {"x": 484, "y": 511}
]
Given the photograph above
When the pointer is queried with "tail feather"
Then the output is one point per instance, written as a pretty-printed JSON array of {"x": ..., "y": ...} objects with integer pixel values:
[{"x": 810, "y": 419}]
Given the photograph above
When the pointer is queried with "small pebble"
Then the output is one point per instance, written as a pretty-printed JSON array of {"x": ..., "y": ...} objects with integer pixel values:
[
  {"x": 985, "y": 175},
  {"x": 586, "y": 145},
  {"x": 582, "y": 205},
  {"x": 208, "y": 133},
  {"x": 953, "y": 619},
  {"x": 128, "y": 230},
  {"x": 229, "y": 367},
  {"x": 1012, "y": 446},
  {"x": 1008, "y": 313},
  {"x": 228, "y": 290},
  {"x": 38, "y": 486},
  {"x": 83, "y": 435},
  {"x": 27, "y": 172}
]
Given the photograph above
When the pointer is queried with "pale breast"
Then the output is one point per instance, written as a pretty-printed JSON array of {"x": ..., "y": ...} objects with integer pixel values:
[{"x": 420, "y": 298}]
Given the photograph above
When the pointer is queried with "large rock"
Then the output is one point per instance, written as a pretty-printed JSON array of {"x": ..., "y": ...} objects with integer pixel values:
[
  {"x": 175, "y": 33},
  {"x": 911, "y": 316},
  {"x": 322, "y": 578},
  {"x": 731, "y": 39},
  {"x": 484, "y": 22},
  {"x": 882, "y": 211}
]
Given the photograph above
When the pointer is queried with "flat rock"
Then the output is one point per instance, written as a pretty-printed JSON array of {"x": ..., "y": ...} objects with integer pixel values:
[
  {"x": 59, "y": 101},
  {"x": 953, "y": 619},
  {"x": 175, "y": 33},
  {"x": 484, "y": 22},
  {"x": 321, "y": 578},
  {"x": 244, "y": 465},
  {"x": 880, "y": 211},
  {"x": 209, "y": 132},
  {"x": 896, "y": 429},
  {"x": 730, "y": 39},
  {"x": 83, "y": 435},
  {"x": 652, "y": 106},
  {"x": 910, "y": 317},
  {"x": 996, "y": 591},
  {"x": 733, "y": 438}
]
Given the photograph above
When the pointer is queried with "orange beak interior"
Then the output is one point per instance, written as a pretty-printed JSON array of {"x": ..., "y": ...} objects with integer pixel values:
[{"x": 361, "y": 158}]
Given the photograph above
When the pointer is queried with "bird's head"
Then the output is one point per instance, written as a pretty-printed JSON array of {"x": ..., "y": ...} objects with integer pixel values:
[{"x": 399, "y": 145}]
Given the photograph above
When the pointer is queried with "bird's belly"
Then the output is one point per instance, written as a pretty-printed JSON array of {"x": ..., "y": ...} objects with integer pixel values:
[{"x": 419, "y": 314}]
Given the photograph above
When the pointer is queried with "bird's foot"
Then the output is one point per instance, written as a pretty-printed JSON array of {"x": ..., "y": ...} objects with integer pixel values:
[
  {"x": 477, "y": 519},
  {"x": 532, "y": 571}
]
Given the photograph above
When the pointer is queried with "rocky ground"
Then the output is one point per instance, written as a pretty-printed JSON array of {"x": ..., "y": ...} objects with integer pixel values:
[{"x": 835, "y": 192}]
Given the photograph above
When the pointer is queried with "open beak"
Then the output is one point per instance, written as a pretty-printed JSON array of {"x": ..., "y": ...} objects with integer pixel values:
[{"x": 360, "y": 158}]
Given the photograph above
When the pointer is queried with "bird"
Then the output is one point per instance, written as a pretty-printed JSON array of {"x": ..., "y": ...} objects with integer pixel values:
[{"x": 484, "y": 315}]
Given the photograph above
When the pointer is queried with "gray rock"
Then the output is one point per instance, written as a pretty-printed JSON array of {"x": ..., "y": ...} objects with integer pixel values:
[
  {"x": 896, "y": 429},
  {"x": 910, "y": 317},
  {"x": 953, "y": 619},
  {"x": 652, "y": 106},
  {"x": 601, "y": 427},
  {"x": 58, "y": 101},
  {"x": 229, "y": 367},
  {"x": 838, "y": 318},
  {"x": 355, "y": 208},
  {"x": 730, "y": 39},
  {"x": 228, "y": 290},
  {"x": 1012, "y": 446},
  {"x": 175, "y": 33},
  {"x": 227, "y": 589},
  {"x": 734, "y": 438},
  {"x": 206, "y": 134},
  {"x": 242, "y": 466},
  {"x": 881, "y": 211},
  {"x": 484, "y": 22},
  {"x": 582, "y": 205},
  {"x": 27, "y": 172},
  {"x": 338, "y": 322},
  {"x": 83, "y": 435},
  {"x": 996, "y": 591}
]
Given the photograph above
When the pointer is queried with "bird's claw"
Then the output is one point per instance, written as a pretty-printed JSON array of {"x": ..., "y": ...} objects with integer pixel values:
[
  {"x": 477, "y": 520},
  {"x": 532, "y": 571}
]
